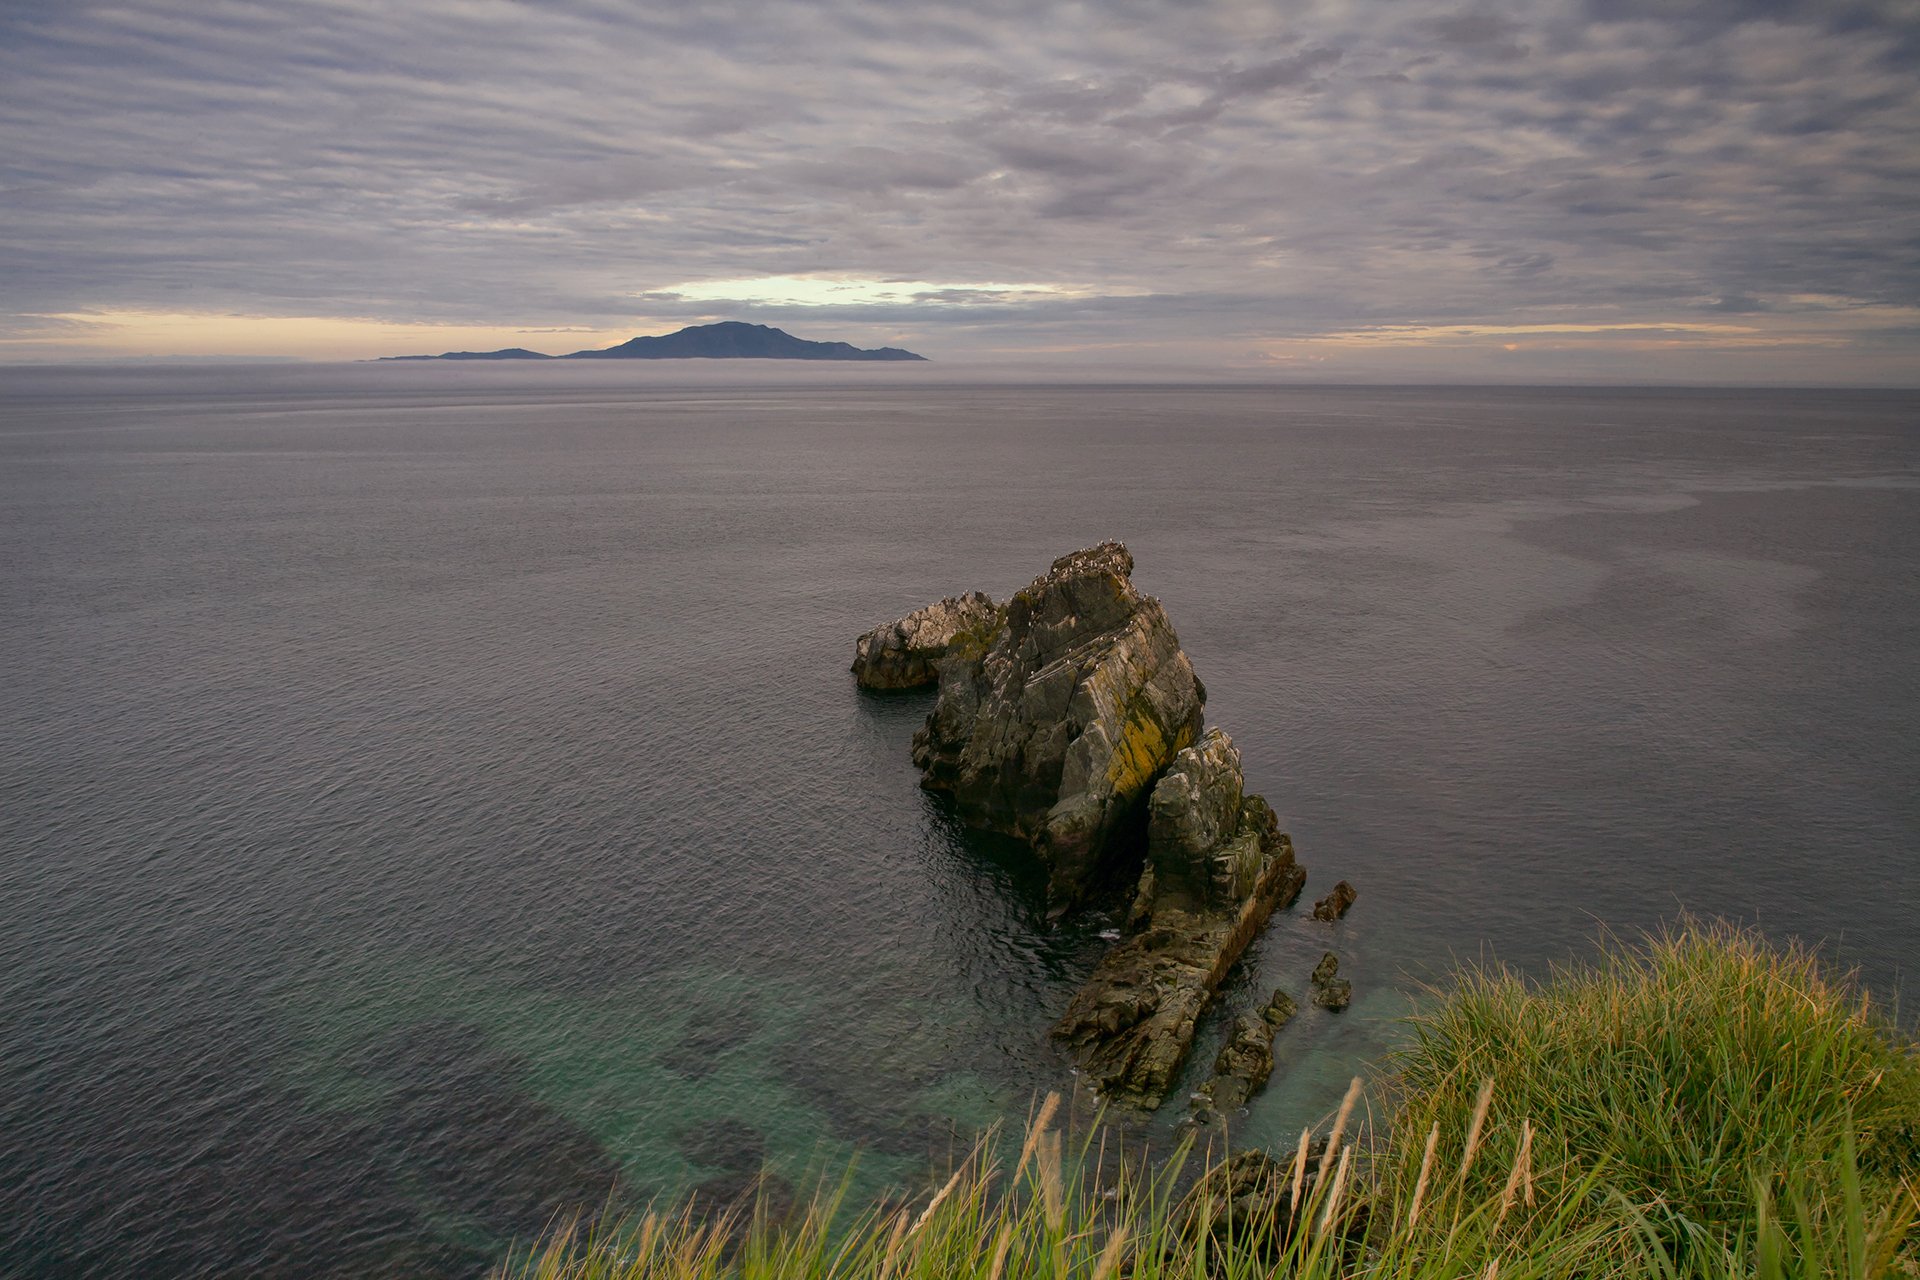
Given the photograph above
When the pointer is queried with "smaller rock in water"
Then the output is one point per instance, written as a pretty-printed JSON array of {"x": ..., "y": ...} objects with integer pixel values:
[
  {"x": 1330, "y": 990},
  {"x": 1245, "y": 1063},
  {"x": 905, "y": 654},
  {"x": 1335, "y": 904}
]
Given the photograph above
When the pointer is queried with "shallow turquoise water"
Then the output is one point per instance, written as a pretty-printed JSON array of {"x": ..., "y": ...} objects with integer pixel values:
[{"x": 428, "y": 805}]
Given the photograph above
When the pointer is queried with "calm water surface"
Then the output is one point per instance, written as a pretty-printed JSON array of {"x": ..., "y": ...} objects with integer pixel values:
[{"x": 427, "y": 803}]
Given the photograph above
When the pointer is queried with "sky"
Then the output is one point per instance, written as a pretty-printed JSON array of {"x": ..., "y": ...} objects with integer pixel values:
[{"x": 1371, "y": 190}]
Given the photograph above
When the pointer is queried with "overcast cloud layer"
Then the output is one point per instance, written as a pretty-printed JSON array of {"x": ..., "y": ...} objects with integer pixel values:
[{"x": 1617, "y": 189}]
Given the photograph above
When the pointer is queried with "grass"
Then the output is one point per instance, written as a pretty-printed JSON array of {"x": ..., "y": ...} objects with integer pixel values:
[
  {"x": 1702, "y": 1105},
  {"x": 1707, "y": 1076}
]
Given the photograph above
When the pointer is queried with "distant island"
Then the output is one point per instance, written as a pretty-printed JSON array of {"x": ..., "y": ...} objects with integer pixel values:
[{"x": 728, "y": 340}]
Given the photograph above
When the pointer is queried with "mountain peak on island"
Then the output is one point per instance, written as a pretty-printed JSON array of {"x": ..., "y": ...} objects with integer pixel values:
[
  {"x": 737, "y": 340},
  {"x": 727, "y": 340}
]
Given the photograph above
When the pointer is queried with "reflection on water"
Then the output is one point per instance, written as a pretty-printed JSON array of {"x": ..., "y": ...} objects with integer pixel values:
[{"x": 427, "y": 809}]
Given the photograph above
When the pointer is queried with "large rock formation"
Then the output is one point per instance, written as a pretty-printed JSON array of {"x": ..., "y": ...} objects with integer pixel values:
[
  {"x": 1053, "y": 724},
  {"x": 901, "y": 655},
  {"x": 1219, "y": 865},
  {"x": 1070, "y": 718}
]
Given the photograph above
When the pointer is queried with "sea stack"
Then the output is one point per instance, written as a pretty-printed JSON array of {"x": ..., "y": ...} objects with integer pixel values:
[
  {"x": 1053, "y": 723},
  {"x": 1070, "y": 718}
]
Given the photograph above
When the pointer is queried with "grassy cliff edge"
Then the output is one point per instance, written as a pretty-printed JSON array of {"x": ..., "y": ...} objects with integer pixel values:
[{"x": 1700, "y": 1104}]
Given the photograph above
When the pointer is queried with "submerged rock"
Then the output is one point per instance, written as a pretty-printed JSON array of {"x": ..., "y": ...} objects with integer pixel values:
[
  {"x": 1336, "y": 903},
  {"x": 904, "y": 654},
  {"x": 1053, "y": 723},
  {"x": 727, "y": 1144},
  {"x": 730, "y": 1202}
]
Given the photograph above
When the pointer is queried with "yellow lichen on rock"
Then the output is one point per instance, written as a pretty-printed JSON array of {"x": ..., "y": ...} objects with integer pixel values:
[{"x": 1142, "y": 752}]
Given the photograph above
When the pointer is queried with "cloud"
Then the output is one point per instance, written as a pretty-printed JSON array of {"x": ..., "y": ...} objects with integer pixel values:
[
  {"x": 1197, "y": 177},
  {"x": 1231, "y": 86}
]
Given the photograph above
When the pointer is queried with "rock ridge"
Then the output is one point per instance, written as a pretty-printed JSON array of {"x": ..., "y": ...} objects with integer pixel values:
[{"x": 1131, "y": 1026}]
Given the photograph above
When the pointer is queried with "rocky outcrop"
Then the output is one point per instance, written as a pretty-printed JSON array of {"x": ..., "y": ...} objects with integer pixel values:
[
  {"x": 1330, "y": 990},
  {"x": 1194, "y": 809},
  {"x": 1280, "y": 1009},
  {"x": 1246, "y": 1060},
  {"x": 1198, "y": 906},
  {"x": 903, "y": 654},
  {"x": 1070, "y": 718},
  {"x": 1244, "y": 1064},
  {"x": 1053, "y": 723},
  {"x": 1335, "y": 904}
]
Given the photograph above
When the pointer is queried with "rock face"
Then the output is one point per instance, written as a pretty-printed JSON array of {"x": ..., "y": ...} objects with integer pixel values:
[
  {"x": 1053, "y": 724},
  {"x": 903, "y": 654},
  {"x": 1194, "y": 808},
  {"x": 1131, "y": 1026},
  {"x": 1335, "y": 904},
  {"x": 1204, "y": 846}
]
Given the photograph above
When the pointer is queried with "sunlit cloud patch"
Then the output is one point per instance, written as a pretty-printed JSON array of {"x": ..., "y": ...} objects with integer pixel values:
[{"x": 825, "y": 291}]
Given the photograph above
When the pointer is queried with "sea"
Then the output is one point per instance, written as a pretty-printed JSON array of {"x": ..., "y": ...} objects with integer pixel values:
[{"x": 434, "y": 801}]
